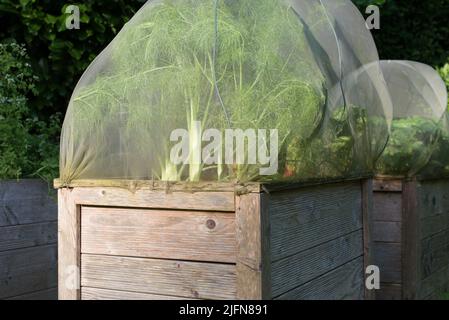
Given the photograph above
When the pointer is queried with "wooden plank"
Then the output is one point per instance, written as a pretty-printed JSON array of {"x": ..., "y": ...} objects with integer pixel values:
[
  {"x": 367, "y": 213},
  {"x": 147, "y": 198},
  {"x": 410, "y": 241},
  {"x": 48, "y": 294},
  {"x": 389, "y": 291},
  {"x": 68, "y": 246},
  {"x": 345, "y": 282},
  {"x": 104, "y": 294},
  {"x": 253, "y": 247},
  {"x": 178, "y": 235},
  {"x": 387, "y": 256},
  {"x": 307, "y": 217},
  {"x": 380, "y": 185},
  {"x": 156, "y": 185},
  {"x": 161, "y": 277},
  {"x": 307, "y": 265},
  {"x": 30, "y": 235},
  {"x": 27, "y": 270},
  {"x": 386, "y": 231},
  {"x": 387, "y": 206}
]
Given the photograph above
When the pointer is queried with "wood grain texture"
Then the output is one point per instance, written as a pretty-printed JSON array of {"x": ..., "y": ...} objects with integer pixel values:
[
  {"x": 104, "y": 294},
  {"x": 30, "y": 235},
  {"x": 47, "y": 294},
  {"x": 307, "y": 217},
  {"x": 387, "y": 185},
  {"x": 161, "y": 277},
  {"x": 253, "y": 247},
  {"x": 151, "y": 199},
  {"x": 367, "y": 214},
  {"x": 68, "y": 246},
  {"x": 307, "y": 265},
  {"x": 27, "y": 270},
  {"x": 345, "y": 282},
  {"x": 387, "y": 206},
  {"x": 179, "y": 235},
  {"x": 386, "y": 231},
  {"x": 389, "y": 291},
  {"x": 388, "y": 257}
]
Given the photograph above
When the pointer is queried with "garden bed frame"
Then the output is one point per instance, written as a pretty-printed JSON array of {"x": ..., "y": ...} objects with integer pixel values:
[
  {"x": 153, "y": 240},
  {"x": 411, "y": 237}
]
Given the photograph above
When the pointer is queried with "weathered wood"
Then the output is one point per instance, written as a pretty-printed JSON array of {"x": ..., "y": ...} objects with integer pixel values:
[
  {"x": 386, "y": 231},
  {"x": 30, "y": 235},
  {"x": 68, "y": 246},
  {"x": 367, "y": 214},
  {"x": 104, "y": 294},
  {"x": 410, "y": 242},
  {"x": 387, "y": 206},
  {"x": 306, "y": 218},
  {"x": 179, "y": 235},
  {"x": 389, "y": 291},
  {"x": 147, "y": 198},
  {"x": 253, "y": 247},
  {"x": 344, "y": 282},
  {"x": 387, "y": 256},
  {"x": 47, "y": 294},
  {"x": 27, "y": 270},
  {"x": 307, "y": 265},
  {"x": 162, "y": 277},
  {"x": 387, "y": 185}
]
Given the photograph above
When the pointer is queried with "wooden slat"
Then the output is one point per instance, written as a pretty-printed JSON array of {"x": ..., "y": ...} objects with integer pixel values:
[
  {"x": 307, "y": 217},
  {"x": 389, "y": 291},
  {"x": 30, "y": 235},
  {"x": 345, "y": 282},
  {"x": 387, "y": 256},
  {"x": 307, "y": 265},
  {"x": 410, "y": 242},
  {"x": 387, "y": 185},
  {"x": 179, "y": 235},
  {"x": 161, "y": 277},
  {"x": 387, "y": 206},
  {"x": 68, "y": 246},
  {"x": 48, "y": 294},
  {"x": 147, "y": 198},
  {"x": 385, "y": 231},
  {"x": 367, "y": 213},
  {"x": 27, "y": 270},
  {"x": 253, "y": 247},
  {"x": 104, "y": 294}
]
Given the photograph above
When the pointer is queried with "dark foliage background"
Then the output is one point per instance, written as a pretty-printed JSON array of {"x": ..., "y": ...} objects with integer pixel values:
[{"x": 410, "y": 29}]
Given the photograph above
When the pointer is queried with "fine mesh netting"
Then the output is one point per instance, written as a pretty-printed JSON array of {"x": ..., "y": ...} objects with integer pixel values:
[
  {"x": 221, "y": 90},
  {"x": 419, "y": 136}
]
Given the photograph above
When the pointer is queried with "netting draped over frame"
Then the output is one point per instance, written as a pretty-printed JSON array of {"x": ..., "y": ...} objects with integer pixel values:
[
  {"x": 221, "y": 90},
  {"x": 419, "y": 127}
]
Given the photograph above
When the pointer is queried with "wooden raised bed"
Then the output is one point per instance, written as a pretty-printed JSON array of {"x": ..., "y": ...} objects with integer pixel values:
[
  {"x": 411, "y": 237},
  {"x": 148, "y": 240},
  {"x": 28, "y": 235}
]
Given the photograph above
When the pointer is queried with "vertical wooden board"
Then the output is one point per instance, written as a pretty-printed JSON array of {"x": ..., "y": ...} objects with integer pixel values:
[
  {"x": 388, "y": 257},
  {"x": 253, "y": 247},
  {"x": 27, "y": 270},
  {"x": 387, "y": 231},
  {"x": 387, "y": 206},
  {"x": 30, "y": 235},
  {"x": 343, "y": 283},
  {"x": 410, "y": 241},
  {"x": 367, "y": 214},
  {"x": 389, "y": 291},
  {"x": 160, "y": 277},
  {"x": 166, "y": 234},
  {"x": 68, "y": 246},
  {"x": 307, "y": 217},
  {"x": 307, "y": 265}
]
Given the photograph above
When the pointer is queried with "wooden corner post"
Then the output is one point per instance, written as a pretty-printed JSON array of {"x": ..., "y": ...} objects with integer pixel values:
[
  {"x": 253, "y": 247},
  {"x": 367, "y": 209},
  {"x": 68, "y": 246}
]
